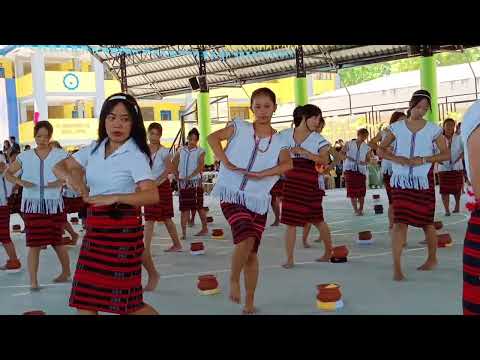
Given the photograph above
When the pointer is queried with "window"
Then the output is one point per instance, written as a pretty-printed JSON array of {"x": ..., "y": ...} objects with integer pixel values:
[{"x": 165, "y": 115}]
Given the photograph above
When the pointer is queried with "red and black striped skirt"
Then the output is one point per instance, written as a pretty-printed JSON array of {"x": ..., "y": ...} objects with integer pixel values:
[
  {"x": 43, "y": 229},
  {"x": 73, "y": 205},
  {"x": 108, "y": 273},
  {"x": 388, "y": 187},
  {"x": 191, "y": 198},
  {"x": 356, "y": 184},
  {"x": 244, "y": 223},
  {"x": 415, "y": 207},
  {"x": 5, "y": 225},
  {"x": 277, "y": 189},
  {"x": 164, "y": 208},
  {"x": 451, "y": 182},
  {"x": 471, "y": 266},
  {"x": 302, "y": 197}
]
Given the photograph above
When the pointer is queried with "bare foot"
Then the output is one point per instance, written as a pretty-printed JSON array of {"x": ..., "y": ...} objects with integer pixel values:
[
  {"x": 456, "y": 211},
  {"x": 235, "y": 292},
  {"x": 276, "y": 223},
  {"x": 152, "y": 282},
  {"x": 62, "y": 278},
  {"x": 288, "y": 265},
  {"x": 318, "y": 240},
  {"x": 429, "y": 265},
  {"x": 447, "y": 213},
  {"x": 202, "y": 233},
  {"x": 324, "y": 258},
  {"x": 306, "y": 245},
  {"x": 174, "y": 248},
  {"x": 360, "y": 213},
  {"x": 398, "y": 276},
  {"x": 191, "y": 224},
  {"x": 35, "y": 288},
  {"x": 249, "y": 310},
  {"x": 184, "y": 237}
]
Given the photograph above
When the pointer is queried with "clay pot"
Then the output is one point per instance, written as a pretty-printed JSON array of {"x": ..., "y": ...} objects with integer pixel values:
[
  {"x": 444, "y": 239},
  {"x": 217, "y": 232},
  {"x": 328, "y": 294},
  {"x": 340, "y": 251},
  {"x": 378, "y": 209},
  {"x": 207, "y": 282},
  {"x": 376, "y": 197},
  {"x": 365, "y": 235},
  {"x": 34, "y": 312},
  {"x": 197, "y": 246},
  {"x": 209, "y": 219},
  {"x": 438, "y": 225}
]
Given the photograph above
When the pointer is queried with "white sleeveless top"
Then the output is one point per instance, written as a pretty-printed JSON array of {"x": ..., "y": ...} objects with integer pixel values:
[
  {"x": 313, "y": 142},
  {"x": 412, "y": 145},
  {"x": 359, "y": 154},
  {"x": 471, "y": 120},
  {"x": 456, "y": 150},
  {"x": 188, "y": 163},
  {"x": 39, "y": 198},
  {"x": 244, "y": 151},
  {"x": 5, "y": 186},
  {"x": 387, "y": 164},
  {"x": 158, "y": 160}
]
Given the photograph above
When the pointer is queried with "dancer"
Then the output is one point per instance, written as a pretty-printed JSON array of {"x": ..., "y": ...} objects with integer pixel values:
[
  {"x": 188, "y": 164},
  {"x": 450, "y": 173},
  {"x": 119, "y": 181},
  {"x": 251, "y": 164},
  {"x": 386, "y": 164},
  {"x": 471, "y": 246},
  {"x": 355, "y": 170},
  {"x": 413, "y": 187},
  {"x": 302, "y": 199},
  {"x": 42, "y": 204},
  {"x": 163, "y": 210},
  {"x": 13, "y": 264}
]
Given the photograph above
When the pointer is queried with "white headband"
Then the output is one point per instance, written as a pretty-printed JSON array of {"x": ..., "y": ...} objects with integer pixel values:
[{"x": 122, "y": 97}]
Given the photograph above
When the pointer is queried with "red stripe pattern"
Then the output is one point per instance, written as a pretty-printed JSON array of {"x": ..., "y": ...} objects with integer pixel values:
[
  {"x": 471, "y": 266},
  {"x": 43, "y": 229},
  {"x": 414, "y": 207},
  {"x": 5, "y": 225},
  {"x": 451, "y": 182},
  {"x": 191, "y": 198},
  {"x": 356, "y": 184},
  {"x": 108, "y": 273},
  {"x": 388, "y": 188},
  {"x": 164, "y": 208},
  {"x": 244, "y": 223},
  {"x": 73, "y": 205},
  {"x": 302, "y": 197}
]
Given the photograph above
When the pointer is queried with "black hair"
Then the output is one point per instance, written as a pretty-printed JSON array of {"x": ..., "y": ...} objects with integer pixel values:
[
  {"x": 397, "y": 115},
  {"x": 195, "y": 132},
  {"x": 307, "y": 111},
  {"x": 362, "y": 131},
  {"x": 14, "y": 151},
  {"x": 155, "y": 126},
  {"x": 264, "y": 92},
  {"x": 138, "y": 132},
  {"x": 27, "y": 147},
  {"x": 12, "y": 138},
  {"x": 418, "y": 96},
  {"x": 43, "y": 124},
  {"x": 448, "y": 120}
]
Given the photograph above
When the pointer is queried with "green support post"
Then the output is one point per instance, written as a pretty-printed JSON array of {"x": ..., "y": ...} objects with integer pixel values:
[
  {"x": 203, "y": 106},
  {"x": 301, "y": 91},
  {"x": 428, "y": 80}
]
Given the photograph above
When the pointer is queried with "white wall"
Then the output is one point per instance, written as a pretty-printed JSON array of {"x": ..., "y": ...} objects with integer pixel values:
[{"x": 4, "y": 133}]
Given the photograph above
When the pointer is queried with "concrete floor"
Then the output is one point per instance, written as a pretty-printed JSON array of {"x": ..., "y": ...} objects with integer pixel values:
[{"x": 366, "y": 279}]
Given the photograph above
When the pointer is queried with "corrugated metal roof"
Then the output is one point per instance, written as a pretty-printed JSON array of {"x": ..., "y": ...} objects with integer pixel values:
[{"x": 155, "y": 71}]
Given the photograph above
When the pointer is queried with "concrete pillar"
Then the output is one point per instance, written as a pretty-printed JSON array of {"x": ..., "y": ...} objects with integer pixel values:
[
  {"x": 39, "y": 89},
  {"x": 99, "y": 86}
]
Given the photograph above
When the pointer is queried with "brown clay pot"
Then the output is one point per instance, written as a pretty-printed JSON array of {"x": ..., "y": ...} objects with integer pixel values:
[
  {"x": 325, "y": 294},
  {"x": 444, "y": 239},
  {"x": 34, "y": 312},
  {"x": 438, "y": 225},
  {"x": 196, "y": 246},
  {"x": 217, "y": 232},
  {"x": 207, "y": 282},
  {"x": 340, "y": 251},
  {"x": 365, "y": 235}
]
